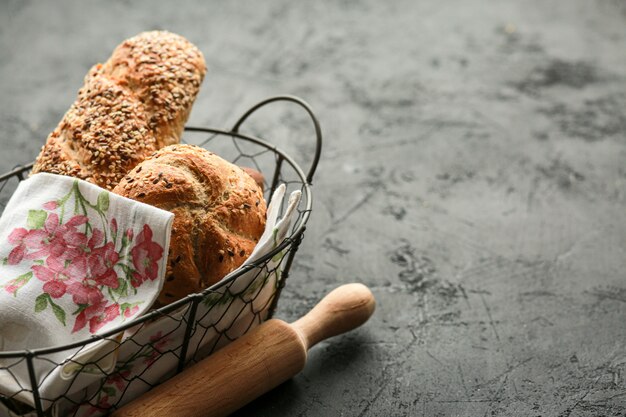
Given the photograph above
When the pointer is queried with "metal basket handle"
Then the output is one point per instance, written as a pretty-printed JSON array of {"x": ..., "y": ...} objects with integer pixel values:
[{"x": 307, "y": 107}]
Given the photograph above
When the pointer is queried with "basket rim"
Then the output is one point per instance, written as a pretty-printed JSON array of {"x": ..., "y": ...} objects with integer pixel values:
[{"x": 189, "y": 299}]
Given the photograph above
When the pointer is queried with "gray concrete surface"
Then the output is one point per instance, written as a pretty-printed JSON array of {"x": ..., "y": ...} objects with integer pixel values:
[{"x": 473, "y": 176}]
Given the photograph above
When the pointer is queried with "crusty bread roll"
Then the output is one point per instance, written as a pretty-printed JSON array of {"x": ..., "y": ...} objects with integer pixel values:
[
  {"x": 219, "y": 214},
  {"x": 134, "y": 104},
  {"x": 256, "y": 176}
]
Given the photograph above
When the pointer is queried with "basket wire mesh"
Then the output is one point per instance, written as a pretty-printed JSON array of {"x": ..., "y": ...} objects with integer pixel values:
[{"x": 189, "y": 329}]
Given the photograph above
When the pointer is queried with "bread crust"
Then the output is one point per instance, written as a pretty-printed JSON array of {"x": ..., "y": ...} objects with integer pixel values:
[
  {"x": 134, "y": 104},
  {"x": 219, "y": 214},
  {"x": 165, "y": 71}
]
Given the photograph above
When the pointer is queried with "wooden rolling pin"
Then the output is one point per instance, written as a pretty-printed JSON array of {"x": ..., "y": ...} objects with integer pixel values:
[{"x": 256, "y": 362}]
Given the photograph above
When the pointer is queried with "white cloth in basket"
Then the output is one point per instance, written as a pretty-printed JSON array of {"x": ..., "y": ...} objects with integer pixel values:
[{"x": 75, "y": 261}]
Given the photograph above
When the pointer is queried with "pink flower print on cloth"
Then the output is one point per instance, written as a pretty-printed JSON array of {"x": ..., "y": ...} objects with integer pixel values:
[
  {"x": 77, "y": 258},
  {"x": 146, "y": 254}
]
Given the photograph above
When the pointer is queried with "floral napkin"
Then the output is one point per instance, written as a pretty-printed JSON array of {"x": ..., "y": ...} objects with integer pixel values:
[{"x": 75, "y": 261}]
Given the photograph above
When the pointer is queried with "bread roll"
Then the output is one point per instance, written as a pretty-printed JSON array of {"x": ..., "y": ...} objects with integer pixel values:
[
  {"x": 219, "y": 214},
  {"x": 134, "y": 104},
  {"x": 256, "y": 176}
]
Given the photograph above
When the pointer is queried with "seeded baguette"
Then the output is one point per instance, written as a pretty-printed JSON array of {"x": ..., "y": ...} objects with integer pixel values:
[
  {"x": 219, "y": 214},
  {"x": 130, "y": 106}
]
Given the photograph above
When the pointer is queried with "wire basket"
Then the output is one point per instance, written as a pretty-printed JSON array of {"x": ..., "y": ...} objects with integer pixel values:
[{"x": 154, "y": 347}]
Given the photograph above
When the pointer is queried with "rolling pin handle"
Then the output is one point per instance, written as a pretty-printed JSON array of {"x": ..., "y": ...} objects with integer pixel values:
[{"x": 343, "y": 309}]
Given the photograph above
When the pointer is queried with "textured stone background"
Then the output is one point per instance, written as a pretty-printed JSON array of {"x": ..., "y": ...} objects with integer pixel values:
[{"x": 473, "y": 176}]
